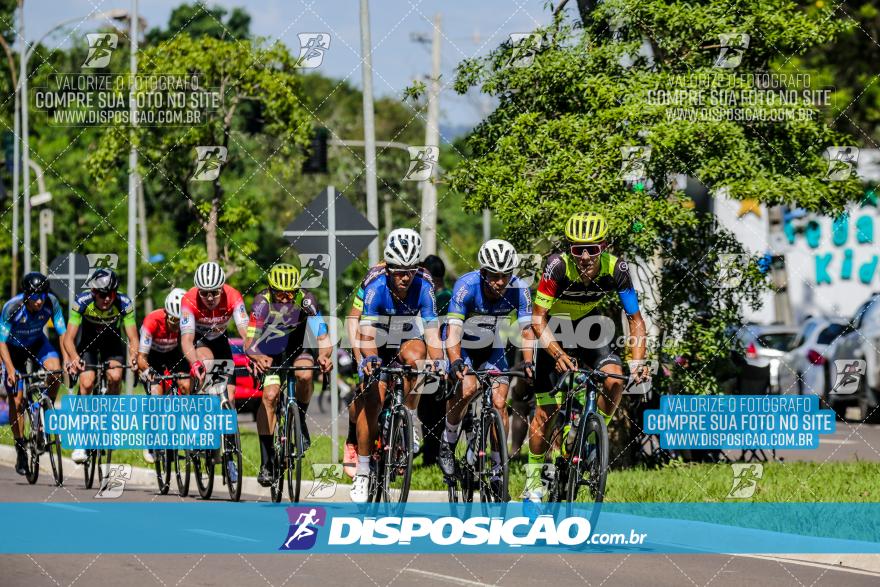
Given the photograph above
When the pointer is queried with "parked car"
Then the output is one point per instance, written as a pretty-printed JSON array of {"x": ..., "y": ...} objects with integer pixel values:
[
  {"x": 248, "y": 393},
  {"x": 764, "y": 347},
  {"x": 802, "y": 369},
  {"x": 860, "y": 340}
]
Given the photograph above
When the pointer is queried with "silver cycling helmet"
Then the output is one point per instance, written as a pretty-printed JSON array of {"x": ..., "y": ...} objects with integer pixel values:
[
  {"x": 498, "y": 256},
  {"x": 172, "y": 302}
]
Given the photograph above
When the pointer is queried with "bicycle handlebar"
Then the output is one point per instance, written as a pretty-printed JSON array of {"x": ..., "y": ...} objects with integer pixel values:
[
  {"x": 596, "y": 374},
  {"x": 172, "y": 377},
  {"x": 41, "y": 374}
]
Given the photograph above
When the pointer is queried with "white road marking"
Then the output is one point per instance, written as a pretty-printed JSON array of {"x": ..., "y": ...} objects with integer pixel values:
[
  {"x": 447, "y": 578},
  {"x": 811, "y": 564}
]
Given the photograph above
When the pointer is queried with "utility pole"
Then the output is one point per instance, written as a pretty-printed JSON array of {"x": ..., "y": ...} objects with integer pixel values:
[
  {"x": 369, "y": 128},
  {"x": 25, "y": 146},
  {"x": 432, "y": 139},
  {"x": 132, "y": 172}
]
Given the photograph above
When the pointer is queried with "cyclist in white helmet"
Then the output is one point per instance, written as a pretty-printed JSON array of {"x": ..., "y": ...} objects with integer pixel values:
[
  {"x": 205, "y": 312},
  {"x": 159, "y": 349},
  {"x": 481, "y": 300},
  {"x": 408, "y": 300}
]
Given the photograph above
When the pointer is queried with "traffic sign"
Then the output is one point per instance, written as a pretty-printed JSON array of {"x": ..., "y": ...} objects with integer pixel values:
[
  {"x": 309, "y": 232},
  {"x": 330, "y": 225},
  {"x": 67, "y": 275}
]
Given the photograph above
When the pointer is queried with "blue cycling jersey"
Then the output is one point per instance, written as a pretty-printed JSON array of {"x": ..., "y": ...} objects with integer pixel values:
[
  {"x": 19, "y": 327},
  {"x": 469, "y": 299},
  {"x": 380, "y": 301}
]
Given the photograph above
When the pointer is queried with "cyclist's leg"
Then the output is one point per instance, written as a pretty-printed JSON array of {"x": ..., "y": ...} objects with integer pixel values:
[
  {"x": 111, "y": 349},
  {"x": 89, "y": 354},
  {"x": 266, "y": 420},
  {"x": 500, "y": 385},
  {"x": 305, "y": 386},
  {"x": 411, "y": 352},
  {"x": 19, "y": 357},
  {"x": 49, "y": 359}
]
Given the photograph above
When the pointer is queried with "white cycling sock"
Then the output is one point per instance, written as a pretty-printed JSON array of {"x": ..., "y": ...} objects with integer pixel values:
[
  {"x": 450, "y": 435},
  {"x": 363, "y": 467}
]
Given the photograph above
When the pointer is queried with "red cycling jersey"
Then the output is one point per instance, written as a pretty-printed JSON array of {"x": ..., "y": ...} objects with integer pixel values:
[
  {"x": 196, "y": 318},
  {"x": 155, "y": 334}
]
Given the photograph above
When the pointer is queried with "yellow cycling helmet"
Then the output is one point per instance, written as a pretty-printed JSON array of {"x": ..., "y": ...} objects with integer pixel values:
[
  {"x": 284, "y": 277},
  {"x": 586, "y": 227}
]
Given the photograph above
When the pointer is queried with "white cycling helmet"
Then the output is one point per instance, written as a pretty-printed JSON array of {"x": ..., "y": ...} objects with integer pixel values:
[
  {"x": 403, "y": 247},
  {"x": 209, "y": 276},
  {"x": 498, "y": 256},
  {"x": 172, "y": 302}
]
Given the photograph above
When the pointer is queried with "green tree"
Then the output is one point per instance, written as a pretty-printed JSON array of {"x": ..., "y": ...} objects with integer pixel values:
[{"x": 554, "y": 146}]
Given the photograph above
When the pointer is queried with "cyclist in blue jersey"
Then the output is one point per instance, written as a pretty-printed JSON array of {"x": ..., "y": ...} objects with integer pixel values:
[
  {"x": 397, "y": 307},
  {"x": 21, "y": 338},
  {"x": 480, "y": 301}
]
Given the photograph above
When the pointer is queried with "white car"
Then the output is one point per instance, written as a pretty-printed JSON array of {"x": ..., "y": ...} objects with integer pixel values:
[
  {"x": 802, "y": 369},
  {"x": 765, "y": 346}
]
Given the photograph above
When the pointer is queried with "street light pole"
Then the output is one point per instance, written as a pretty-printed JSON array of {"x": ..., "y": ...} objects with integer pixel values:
[
  {"x": 132, "y": 171},
  {"x": 369, "y": 128},
  {"x": 25, "y": 147},
  {"x": 432, "y": 139}
]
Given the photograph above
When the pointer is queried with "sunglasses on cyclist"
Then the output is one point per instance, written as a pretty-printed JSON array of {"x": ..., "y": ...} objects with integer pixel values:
[
  {"x": 37, "y": 296},
  {"x": 492, "y": 276},
  {"x": 104, "y": 294},
  {"x": 591, "y": 250},
  {"x": 210, "y": 293},
  {"x": 398, "y": 270},
  {"x": 284, "y": 296}
]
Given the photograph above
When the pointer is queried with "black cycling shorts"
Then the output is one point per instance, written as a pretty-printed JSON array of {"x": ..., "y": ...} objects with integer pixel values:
[
  {"x": 106, "y": 346},
  {"x": 546, "y": 376},
  {"x": 170, "y": 361},
  {"x": 219, "y": 347}
]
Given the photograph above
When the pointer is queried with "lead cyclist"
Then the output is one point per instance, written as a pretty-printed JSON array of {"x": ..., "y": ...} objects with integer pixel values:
[{"x": 573, "y": 284}]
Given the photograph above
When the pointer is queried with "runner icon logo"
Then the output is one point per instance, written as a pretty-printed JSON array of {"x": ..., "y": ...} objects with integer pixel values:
[
  {"x": 327, "y": 476},
  {"x": 101, "y": 46},
  {"x": 745, "y": 480},
  {"x": 849, "y": 375},
  {"x": 303, "y": 531},
  {"x": 113, "y": 483}
]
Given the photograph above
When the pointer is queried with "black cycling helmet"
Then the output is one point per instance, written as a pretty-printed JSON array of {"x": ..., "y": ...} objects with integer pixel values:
[
  {"x": 34, "y": 283},
  {"x": 103, "y": 280}
]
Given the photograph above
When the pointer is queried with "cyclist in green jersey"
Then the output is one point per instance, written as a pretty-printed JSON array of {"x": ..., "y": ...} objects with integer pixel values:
[{"x": 573, "y": 284}]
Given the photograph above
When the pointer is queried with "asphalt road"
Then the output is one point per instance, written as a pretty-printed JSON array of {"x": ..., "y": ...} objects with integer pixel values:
[{"x": 426, "y": 570}]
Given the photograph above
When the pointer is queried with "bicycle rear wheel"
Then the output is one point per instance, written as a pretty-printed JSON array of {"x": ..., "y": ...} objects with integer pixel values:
[
  {"x": 163, "y": 470},
  {"x": 588, "y": 468},
  {"x": 89, "y": 467},
  {"x": 398, "y": 456},
  {"x": 203, "y": 470},
  {"x": 232, "y": 456},
  {"x": 293, "y": 452},
  {"x": 104, "y": 457},
  {"x": 493, "y": 483},
  {"x": 32, "y": 429},
  {"x": 182, "y": 471},
  {"x": 52, "y": 443}
]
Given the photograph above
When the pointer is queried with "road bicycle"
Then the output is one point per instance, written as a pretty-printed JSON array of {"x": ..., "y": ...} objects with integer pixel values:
[
  {"x": 177, "y": 458},
  {"x": 99, "y": 458},
  {"x": 582, "y": 469},
  {"x": 391, "y": 465},
  {"x": 484, "y": 430},
  {"x": 287, "y": 438},
  {"x": 228, "y": 456},
  {"x": 35, "y": 403}
]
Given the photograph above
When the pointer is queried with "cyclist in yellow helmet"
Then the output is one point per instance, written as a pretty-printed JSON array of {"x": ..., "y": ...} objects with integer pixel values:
[
  {"x": 573, "y": 284},
  {"x": 285, "y": 329}
]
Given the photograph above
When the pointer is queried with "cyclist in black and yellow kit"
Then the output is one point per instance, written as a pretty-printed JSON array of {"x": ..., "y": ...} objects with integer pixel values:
[{"x": 572, "y": 286}]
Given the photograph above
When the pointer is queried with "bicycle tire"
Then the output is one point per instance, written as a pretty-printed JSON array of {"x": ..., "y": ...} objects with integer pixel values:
[
  {"x": 595, "y": 468},
  {"x": 277, "y": 467},
  {"x": 53, "y": 445},
  {"x": 493, "y": 426},
  {"x": 104, "y": 457},
  {"x": 397, "y": 457},
  {"x": 203, "y": 471},
  {"x": 163, "y": 470},
  {"x": 182, "y": 476},
  {"x": 89, "y": 467},
  {"x": 293, "y": 450},
  {"x": 232, "y": 453},
  {"x": 32, "y": 429}
]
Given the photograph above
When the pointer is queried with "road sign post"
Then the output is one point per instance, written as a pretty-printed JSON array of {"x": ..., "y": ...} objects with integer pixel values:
[{"x": 333, "y": 226}]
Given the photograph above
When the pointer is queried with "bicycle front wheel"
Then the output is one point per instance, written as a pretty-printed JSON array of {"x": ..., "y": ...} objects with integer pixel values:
[
  {"x": 104, "y": 457},
  {"x": 89, "y": 467},
  {"x": 203, "y": 470},
  {"x": 232, "y": 465},
  {"x": 293, "y": 452},
  {"x": 588, "y": 468},
  {"x": 53, "y": 444},
  {"x": 398, "y": 456},
  {"x": 182, "y": 466},
  {"x": 492, "y": 459},
  {"x": 163, "y": 469},
  {"x": 32, "y": 430}
]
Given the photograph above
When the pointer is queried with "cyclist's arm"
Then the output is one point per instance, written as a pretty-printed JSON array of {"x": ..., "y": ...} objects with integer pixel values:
[
  {"x": 638, "y": 336},
  {"x": 459, "y": 303},
  {"x": 6, "y": 357},
  {"x": 240, "y": 315},
  {"x": 68, "y": 341},
  {"x": 145, "y": 344},
  {"x": 543, "y": 334},
  {"x": 132, "y": 333},
  {"x": 351, "y": 326},
  {"x": 428, "y": 314},
  {"x": 188, "y": 333}
]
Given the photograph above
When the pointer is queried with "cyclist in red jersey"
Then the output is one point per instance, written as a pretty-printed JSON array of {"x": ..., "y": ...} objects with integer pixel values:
[{"x": 205, "y": 312}]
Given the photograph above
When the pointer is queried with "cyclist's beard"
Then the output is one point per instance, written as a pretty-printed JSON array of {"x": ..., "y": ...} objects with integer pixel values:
[{"x": 588, "y": 269}]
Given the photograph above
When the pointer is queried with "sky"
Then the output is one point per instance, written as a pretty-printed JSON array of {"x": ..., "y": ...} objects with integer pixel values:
[{"x": 469, "y": 28}]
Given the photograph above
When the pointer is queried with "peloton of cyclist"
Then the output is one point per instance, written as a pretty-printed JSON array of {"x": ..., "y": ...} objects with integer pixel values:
[{"x": 281, "y": 318}]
